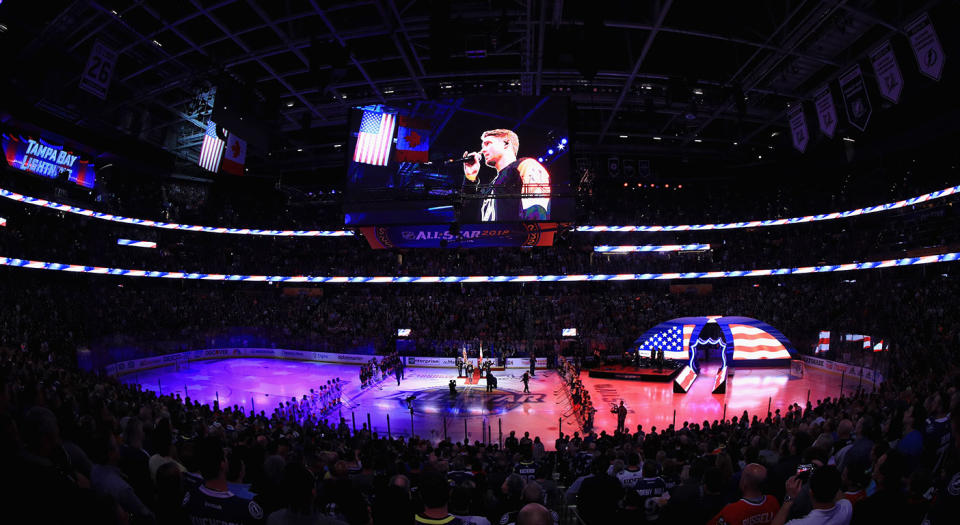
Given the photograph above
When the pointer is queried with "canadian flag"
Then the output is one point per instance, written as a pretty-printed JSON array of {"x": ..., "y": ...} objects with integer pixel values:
[{"x": 234, "y": 155}]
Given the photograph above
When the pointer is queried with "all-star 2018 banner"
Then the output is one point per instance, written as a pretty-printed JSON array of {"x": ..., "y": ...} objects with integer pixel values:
[
  {"x": 47, "y": 160},
  {"x": 468, "y": 236}
]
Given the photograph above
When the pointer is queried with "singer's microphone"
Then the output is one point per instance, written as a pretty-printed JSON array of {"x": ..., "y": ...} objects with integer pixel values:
[{"x": 469, "y": 159}]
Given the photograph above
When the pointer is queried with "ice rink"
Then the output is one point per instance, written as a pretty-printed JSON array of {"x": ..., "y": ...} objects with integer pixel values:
[{"x": 260, "y": 384}]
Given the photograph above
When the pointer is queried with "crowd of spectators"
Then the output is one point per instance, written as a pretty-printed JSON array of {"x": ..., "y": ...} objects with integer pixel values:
[
  {"x": 120, "y": 454},
  {"x": 140, "y": 318}
]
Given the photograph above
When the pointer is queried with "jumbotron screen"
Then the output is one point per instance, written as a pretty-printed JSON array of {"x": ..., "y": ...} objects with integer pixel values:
[{"x": 470, "y": 160}]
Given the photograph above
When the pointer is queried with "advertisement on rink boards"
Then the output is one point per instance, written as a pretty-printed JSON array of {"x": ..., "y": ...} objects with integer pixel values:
[
  {"x": 451, "y": 362},
  {"x": 852, "y": 371},
  {"x": 524, "y": 362},
  {"x": 136, "y": 365},
  {"x": 431, "y": 362}
]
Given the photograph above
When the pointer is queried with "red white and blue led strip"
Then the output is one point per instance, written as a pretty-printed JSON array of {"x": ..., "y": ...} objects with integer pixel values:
[
  {"x": 136, "y": 244},
  {"x": 653, "y": 248},
  {"x": 169, "y": 225},
  {"x": 778, "y": 222},
  {"x": 344, "y": 233},
  {"x": 909, "y": 261}
]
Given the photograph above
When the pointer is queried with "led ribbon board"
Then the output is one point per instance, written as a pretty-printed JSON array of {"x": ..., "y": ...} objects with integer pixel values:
[
  {"x": 778, "y": 222},
  {"x": 47, "y": 160},
  {"x": 168, "y": 225},
  {"x": 910, "y": 261},
  {"x": 340, "y": 233},
  {"x": 653, "y": 248},
  {"x": 136, "y": 244}
]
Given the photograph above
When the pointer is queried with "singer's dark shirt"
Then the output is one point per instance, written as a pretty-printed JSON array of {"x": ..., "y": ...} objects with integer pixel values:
[{"x": 525, "y": 176}]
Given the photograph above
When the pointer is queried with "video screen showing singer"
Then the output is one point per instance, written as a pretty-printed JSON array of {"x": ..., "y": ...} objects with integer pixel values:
[{"x": 520, "y": 189}]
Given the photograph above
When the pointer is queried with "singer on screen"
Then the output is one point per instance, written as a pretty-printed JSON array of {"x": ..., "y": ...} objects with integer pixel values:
[{"x": 521, "y": 188}]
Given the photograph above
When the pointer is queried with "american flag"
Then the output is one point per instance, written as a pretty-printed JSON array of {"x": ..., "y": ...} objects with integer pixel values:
[
  {"x": 212, "y": 149},
  {"x": 824, "y": 344},
  {"x": 750, "y": 342},
  {"x": 374, "y": 138},
  {"x": 673, "y": 341}
]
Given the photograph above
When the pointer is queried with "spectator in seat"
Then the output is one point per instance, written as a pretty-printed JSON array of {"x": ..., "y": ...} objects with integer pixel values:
[
  {"x": 535, "y": 514},
  {"x": 435, "y": 494},
  {"x": 461, "y": 503},
  {"x": 754, "y": 507},
  {"x": 889, "y": 503},
  {"x": 599, "y": 495},
  {"x": 532, "y": 493},
  {"x": 212, "y": 501},
  {"x": 299, "y": 487},
  {"x": 107, "y": 479},
  {"x": 946, "y": 504},
  {"x": 829, "y": 508}
]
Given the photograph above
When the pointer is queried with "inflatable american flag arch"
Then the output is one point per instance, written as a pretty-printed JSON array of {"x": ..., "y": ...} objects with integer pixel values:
[{"x": 740, "y": 341}]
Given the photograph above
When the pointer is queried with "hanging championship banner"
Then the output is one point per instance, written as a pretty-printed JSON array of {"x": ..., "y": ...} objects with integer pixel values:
[
  {"x": 826, "y": 111},
  {"x": 798, "y": 126},
  {"x": 926, "y": 46},
  {"x": 855, "y": 98},
  {"x": 889, "y": 78}
]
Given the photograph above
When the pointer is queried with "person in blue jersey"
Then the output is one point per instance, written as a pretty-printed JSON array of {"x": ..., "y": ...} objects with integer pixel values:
[
  {"x": 936, "y": 428},
  {"x": 458, "y": 472},
  {"x": 212, "y": 501},
  {"x": 526, "y": 468},
  {"x": 521, "y": 188},
  {"x": 651, "y": 488},
  {"x": 946, "y": 497}
]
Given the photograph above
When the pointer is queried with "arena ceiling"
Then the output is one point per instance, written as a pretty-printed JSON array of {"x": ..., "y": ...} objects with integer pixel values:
[{"x": 667, "y": 78}]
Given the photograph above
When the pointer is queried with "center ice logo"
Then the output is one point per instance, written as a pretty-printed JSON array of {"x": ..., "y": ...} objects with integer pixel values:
[{"x": 467, "y": 402}]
